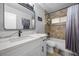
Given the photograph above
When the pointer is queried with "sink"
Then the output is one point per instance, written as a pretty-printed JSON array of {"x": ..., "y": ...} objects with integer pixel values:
[{"x": 15, "y": 39}]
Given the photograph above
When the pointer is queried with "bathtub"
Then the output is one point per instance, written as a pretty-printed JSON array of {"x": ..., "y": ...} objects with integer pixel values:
[{"x": 60, "y": 44}]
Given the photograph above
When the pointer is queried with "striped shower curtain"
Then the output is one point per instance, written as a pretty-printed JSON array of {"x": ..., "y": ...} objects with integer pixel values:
[{"x": 72, "y": 29}]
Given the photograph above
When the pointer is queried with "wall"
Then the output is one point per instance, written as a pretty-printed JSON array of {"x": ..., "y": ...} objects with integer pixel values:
[
  {"x": 59, "y": 13},
  {"x": 57, "y": 30},
  {"x": 47, "y": 23},
  {"x": 40, "y": 25}
]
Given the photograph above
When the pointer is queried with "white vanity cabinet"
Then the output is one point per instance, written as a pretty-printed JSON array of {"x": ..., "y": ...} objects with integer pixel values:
[{"x": 31, "y": 48}]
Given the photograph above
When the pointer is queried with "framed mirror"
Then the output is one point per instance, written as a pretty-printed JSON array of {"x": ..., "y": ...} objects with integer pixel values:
[{"x": 19, "y": 16}]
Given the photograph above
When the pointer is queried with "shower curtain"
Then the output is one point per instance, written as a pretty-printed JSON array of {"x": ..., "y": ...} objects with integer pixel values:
[{"x": 72, "y": 29}]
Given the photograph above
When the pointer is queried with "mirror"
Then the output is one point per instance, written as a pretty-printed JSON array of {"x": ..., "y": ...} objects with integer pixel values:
[{"x": 19, "y": 16}]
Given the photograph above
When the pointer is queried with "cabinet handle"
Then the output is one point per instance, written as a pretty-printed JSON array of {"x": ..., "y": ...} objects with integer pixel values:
[{"x": 42, "y": 49}]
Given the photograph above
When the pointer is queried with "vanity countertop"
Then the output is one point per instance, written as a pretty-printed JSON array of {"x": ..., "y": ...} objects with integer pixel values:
[{"x": 13, "y": 41}]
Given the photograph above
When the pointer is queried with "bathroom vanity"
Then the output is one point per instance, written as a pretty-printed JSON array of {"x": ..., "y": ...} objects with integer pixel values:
[
  {"x": 32, "y": 45},
  {"x": 20, "y": 17}
]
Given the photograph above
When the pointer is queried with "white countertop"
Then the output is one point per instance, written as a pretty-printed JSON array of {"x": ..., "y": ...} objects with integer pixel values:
[{"x": 4, "y": 44}]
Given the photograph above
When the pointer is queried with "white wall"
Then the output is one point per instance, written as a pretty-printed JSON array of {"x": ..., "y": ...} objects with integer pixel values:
[{"x": 40, "y": 26}]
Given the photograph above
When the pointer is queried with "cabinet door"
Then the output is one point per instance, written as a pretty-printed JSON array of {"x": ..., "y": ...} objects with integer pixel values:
[
  {"x": 35, "y": 52},
  {"x": 40, "y": 50}
]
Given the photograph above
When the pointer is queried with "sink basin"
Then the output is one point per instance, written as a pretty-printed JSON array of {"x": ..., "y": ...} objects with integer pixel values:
[{"x": 15, "y": 39}]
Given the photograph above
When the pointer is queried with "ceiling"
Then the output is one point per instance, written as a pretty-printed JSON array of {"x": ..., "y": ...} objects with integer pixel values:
[{"x": 51, "y": 7}]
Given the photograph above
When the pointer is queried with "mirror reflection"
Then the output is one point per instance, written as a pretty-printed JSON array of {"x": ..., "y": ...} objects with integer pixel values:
[{"x": 19, "y": 16}]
